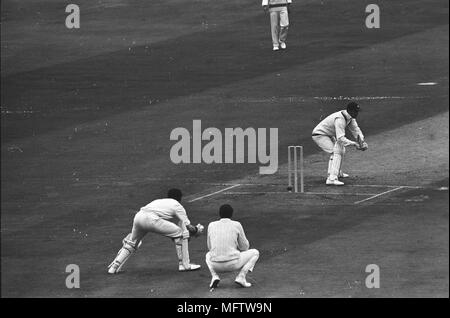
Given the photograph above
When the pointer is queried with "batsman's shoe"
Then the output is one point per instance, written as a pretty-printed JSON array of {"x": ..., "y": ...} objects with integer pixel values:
[
  {"x": 334, "y": 182},
  {"x": 241, "y": 281},
  {"x": 276, "y": 48},
  {"x": 283, "y": 45},
  {"x": 343, "y": 175},
  {"x": 191, "y": 267},
  {"x": 214, "y": 282}
]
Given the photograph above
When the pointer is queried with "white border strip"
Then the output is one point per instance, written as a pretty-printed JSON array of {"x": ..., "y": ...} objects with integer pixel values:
[
  {"x": 380, "y": 194},
  {"x": 214, "y": 193}
]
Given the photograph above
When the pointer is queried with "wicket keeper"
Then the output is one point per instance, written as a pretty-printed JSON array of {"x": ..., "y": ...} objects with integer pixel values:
[
  {"x": 154, "y": 217},
  {"x": 329, "y": 135}
]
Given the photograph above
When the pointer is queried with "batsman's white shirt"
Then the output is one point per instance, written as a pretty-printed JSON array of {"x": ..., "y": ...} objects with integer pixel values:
[
  {"x": 334, "y": 126},
  {"x": 226, "y": 239}
]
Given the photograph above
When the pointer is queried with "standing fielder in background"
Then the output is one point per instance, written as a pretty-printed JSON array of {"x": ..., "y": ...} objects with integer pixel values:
[
  {"x": 279, "y": 21},
  {"x": 154, "y": 218},
  {"x": 329, "y": 135}
]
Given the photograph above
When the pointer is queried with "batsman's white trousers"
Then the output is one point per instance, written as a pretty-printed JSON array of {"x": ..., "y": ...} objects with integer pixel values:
[
  {"x": 326, "y": 143},
  {"x": 279, "y": 23},
  {"x": 145, "y": 222},
  {"x": 246, "y": 261}
]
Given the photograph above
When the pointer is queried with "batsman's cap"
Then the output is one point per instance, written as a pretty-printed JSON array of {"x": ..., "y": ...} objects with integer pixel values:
[
  {"x": 175, "y": 194},
  {"x": 353, "y": 107},
  {"x": 226, "y": 211}
]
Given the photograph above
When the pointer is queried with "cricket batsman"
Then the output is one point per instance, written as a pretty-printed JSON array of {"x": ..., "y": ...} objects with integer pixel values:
[
  {"x": 154, "y": 217},
  {"x": 279, "y": 21},
  {"x": 329, "y": 135}
]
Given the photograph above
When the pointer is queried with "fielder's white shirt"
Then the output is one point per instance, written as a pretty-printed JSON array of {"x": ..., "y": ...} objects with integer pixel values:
[
  {"x": 334, "y": 126},
  {"x": 226, "y": 239},
  {"x": 167, "y": 209},
  {"x": 272, "y": 2}
]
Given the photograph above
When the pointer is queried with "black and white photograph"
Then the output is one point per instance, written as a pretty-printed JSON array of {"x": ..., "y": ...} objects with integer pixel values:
[{"x": 235, "y": 152}]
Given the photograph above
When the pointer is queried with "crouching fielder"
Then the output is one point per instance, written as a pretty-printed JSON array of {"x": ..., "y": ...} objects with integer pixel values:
[
  {"x": 229, "y": 249},
  {"x": 154, "y": 218},
  {"x": 329, "y": 135}
]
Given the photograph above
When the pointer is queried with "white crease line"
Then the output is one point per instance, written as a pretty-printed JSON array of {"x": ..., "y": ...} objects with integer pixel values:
[
  {"x": 384, "y": 186},
  {"x": 328, "y": 193},
  {"x": 377, "y": 195},
  {"x": 367, "y": 97},
  {"x": 282, "y": 184},
  {"x": 286, "y": 192},
  {"x": 427, "y": 84},
  {"x": 214, "y": 193},
  {"x": 346, "y": 185}
]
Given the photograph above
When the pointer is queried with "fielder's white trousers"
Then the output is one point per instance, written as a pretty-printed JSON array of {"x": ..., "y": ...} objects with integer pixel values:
[
  {"x": 145, "y": 222},
  {"x": 244, "y": 264},
  {"x": 279, "y": 23}
]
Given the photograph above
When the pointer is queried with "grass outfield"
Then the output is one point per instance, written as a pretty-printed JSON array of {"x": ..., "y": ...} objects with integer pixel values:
[{"x": 86, "y": 119}]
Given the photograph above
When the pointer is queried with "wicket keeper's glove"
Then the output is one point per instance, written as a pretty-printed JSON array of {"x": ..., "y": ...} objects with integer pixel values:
[{"x": 195, "y": 231}]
